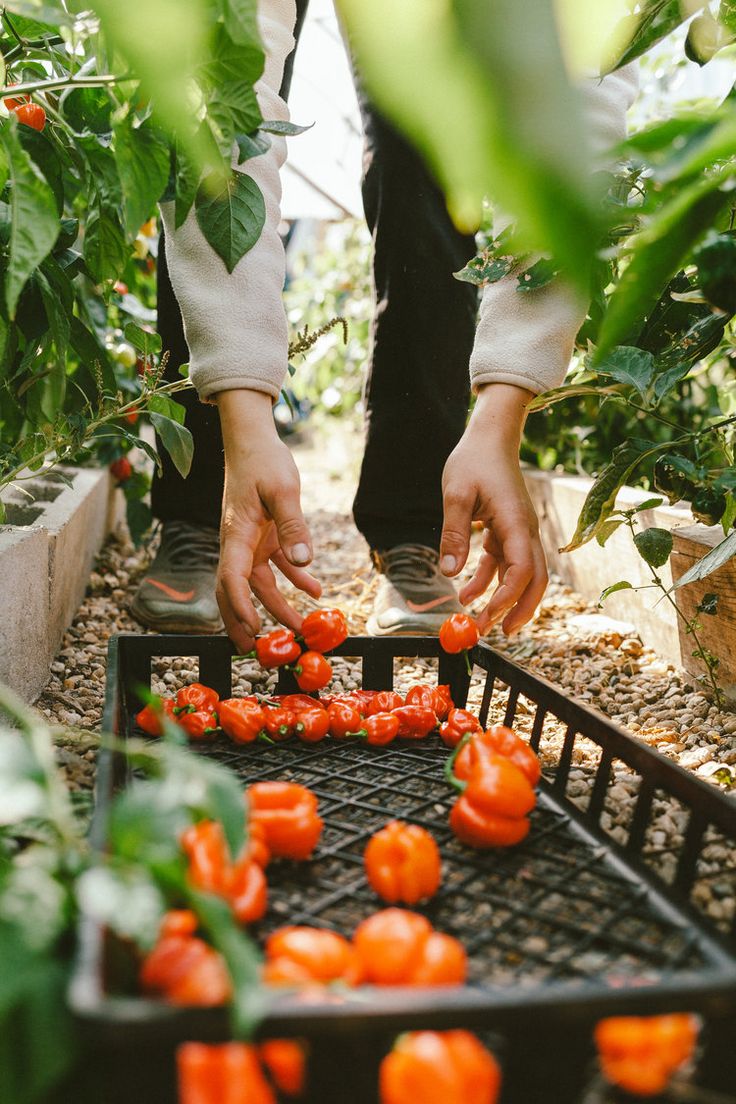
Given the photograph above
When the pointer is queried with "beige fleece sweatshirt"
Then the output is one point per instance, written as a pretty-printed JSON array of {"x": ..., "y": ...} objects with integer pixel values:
[{"x": 235, "y": 324}]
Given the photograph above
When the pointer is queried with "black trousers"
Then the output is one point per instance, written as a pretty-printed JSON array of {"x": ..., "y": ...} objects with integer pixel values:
[{"x": 417, "y": 389}]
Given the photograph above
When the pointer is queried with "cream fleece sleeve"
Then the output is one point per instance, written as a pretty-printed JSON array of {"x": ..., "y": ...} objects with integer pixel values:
[
  {"x": 528, "y": 339},
  {"x": 235, "y": 324}
]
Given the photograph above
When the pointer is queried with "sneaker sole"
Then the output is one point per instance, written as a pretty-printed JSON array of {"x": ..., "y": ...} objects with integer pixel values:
[
  {"x": 173, "y": 625},
  {"x": 403, "y": 628}
]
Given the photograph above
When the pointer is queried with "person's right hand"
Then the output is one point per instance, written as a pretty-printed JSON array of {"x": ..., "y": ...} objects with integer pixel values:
[{"x": 262, "y": 520}]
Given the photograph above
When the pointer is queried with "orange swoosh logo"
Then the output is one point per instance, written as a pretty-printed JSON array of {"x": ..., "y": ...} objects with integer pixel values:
[
  {"x": 422, "y": 607},
  {"x": 175, "y": 595}
]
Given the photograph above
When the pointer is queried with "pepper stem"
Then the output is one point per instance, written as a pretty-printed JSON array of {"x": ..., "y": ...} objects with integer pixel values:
[
  {"x": 467, "y": 661},
  {"x": 450, "y": 778}
]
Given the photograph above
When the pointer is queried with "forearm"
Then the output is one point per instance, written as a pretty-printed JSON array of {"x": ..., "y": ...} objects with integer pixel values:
[
  {"x": 499, "y": 414},
  {"x": 246, "y": 419}
]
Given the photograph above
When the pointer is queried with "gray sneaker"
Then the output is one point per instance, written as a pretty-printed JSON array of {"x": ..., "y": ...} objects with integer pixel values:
[
  {"x": 413, "y": 597},
  {"x": 177, "y": 594}
]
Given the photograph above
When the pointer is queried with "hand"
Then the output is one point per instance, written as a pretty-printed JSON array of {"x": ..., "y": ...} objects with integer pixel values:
[
  {"x": 482, "y": 481},
  {"x": 262, "y": 520}
]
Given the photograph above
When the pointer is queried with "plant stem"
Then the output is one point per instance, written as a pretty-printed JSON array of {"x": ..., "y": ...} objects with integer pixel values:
[
  {"x": 689, "y": 625},
  {"x": 53, "y": 85}
]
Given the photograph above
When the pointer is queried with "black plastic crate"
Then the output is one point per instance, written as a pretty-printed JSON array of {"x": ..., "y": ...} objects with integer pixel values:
[{"x": 574, "y": 924}]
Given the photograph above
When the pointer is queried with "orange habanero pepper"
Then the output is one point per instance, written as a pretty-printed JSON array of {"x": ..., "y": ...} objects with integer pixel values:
[
  {"x": 433, "y": 1067},
  {"x": 287, "y": 812},
  {"x": 402, "y": 863}
]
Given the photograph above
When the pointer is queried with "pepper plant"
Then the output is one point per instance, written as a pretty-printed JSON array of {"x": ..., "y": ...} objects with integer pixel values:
[
  {"x": 99, "y": 124},
  {"x": 50, "y": 873}
]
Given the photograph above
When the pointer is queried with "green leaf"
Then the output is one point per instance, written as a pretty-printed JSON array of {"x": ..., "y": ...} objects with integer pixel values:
[
  {"x": 162, "y": 404},
  {"x": 241, "y": 21},
  {"x": 716, "y": 558},
  {"x": 648, "y": 504},
  {"x": 34, "y": 223},
  {"x": 716, "y": 261},
  {"x": 284, "y": 128},
  {"x": 105, "y": 247},
  {"x": 660, "y": 249},
  {"x": 87, "y": 110},
  {"x": 145, "y": 342},
  {"x": 541, "y": 273},
  {"x": 601, "y": 499},
  {"x": 177, "y": 440},
  {"x": 654, "y": 545},
  {"x": 653, "y": 22},
  {"x": 230, "y": 72},
  {"x": 486, "y": 268},
  {"x": 629, "y": 365},
  {"x": 186, "y": 178},
  {"x": 621, "y": 585},
  {"x": 138, "y": 517},
  {"x": 251, "y": 145},
  {"x": 481, "y": 128},
  {"x": 242, "y": 959},
  {"x": 607, "y": 530},
  {"x": 142, "y": 156},
  {"x": 231, "y": 219},
  {"x": 705, "y": 37}
]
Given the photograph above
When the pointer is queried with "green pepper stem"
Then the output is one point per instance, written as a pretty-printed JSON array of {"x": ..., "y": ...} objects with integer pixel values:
[{"x": 450, "y": 778}]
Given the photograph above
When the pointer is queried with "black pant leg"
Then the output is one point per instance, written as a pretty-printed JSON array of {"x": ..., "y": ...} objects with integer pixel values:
[
  {"x": 198, "y": 498},
  {"x": 417, "y": 390}
]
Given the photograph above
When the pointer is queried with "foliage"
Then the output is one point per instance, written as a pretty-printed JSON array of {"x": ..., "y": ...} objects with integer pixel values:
[
  {"x": 127, "y": 125},
  {"x": 332, "y": 278},
  {"x": 49, "y": 875}
]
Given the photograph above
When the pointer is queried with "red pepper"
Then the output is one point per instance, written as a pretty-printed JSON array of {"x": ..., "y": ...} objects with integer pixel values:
[
  {"x": 243, "y": 721},
  {"x": 286, "y": 1061},
  {"x": 313, "y": 671},
  {"x": 439, "y": 1067},
  {"x": 178, "y": 922},
  {"x": 505, "y": 742},
  {"x": 303, "y": 954},
  {"x": 199, "y": 726},
  {"x": 150, "y": 717},
  {"x": 256, "y": 848},
  {"x": 209, "y": 859},
  {"x": 322, "y": 630},
  {"x": 279, "y": 723},
  {"x": 277, "y": 648},
  {"x": 492, "y": 811},
  {"x": 32, "y": 115},
  {"x": 247, "y": 892},
  {"x": 297, "y": 701},
  {"x": 312, "y": 725},
  {"x": 121, "y": 469},
  {"x": 402, "y": 863},
  {"x": 344, "y": 720},
  {"x": 384, "y": 701},
  {"x": 396, "y": 947},
  {"x": 415, "y": 721},
  {"x": 442, "y": 701},
  {"x": 196, "y": 697},
  {"x": 288, "y": 815},
  {"x": 229, "y": 1073},
  {"x": 419, "y": 695},
  {"x": 458, "y": 633},
  {"x": 242, "y": 884},
  {"x": 639, "y": 1054},
  {"x": 186, "y": 970},
  {"x": 381, "y": 729},
  {"x": 459, "y": 722}
]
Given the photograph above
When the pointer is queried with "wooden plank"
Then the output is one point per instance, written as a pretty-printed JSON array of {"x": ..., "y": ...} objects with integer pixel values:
[{"x": 718, "y": 632}]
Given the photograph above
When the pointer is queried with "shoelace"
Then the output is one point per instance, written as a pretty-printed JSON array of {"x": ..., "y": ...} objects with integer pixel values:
[
  {"x": 410, "y": 562},
  {"x": 186, "y": 544}
]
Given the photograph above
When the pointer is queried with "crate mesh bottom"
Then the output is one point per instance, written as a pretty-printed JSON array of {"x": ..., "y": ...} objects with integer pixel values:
[{"x": 553, "y": 908}]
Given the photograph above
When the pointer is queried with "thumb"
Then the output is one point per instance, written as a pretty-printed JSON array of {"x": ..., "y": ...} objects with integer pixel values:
[
  {"x": 294, "y": 536},
  {"x": 455, "y": 540}
]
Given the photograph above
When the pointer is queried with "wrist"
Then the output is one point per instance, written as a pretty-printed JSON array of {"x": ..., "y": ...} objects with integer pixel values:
[
  {"x": 500, "y": 412},
  {"x": 245, "y": 416}
]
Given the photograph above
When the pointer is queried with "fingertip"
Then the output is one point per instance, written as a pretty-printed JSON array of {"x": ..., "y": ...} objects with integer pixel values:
[{"x": 299, "y": 554}]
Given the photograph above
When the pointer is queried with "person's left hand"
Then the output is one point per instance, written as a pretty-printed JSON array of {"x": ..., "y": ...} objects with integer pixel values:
[{"x": 482, "y": 481}]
